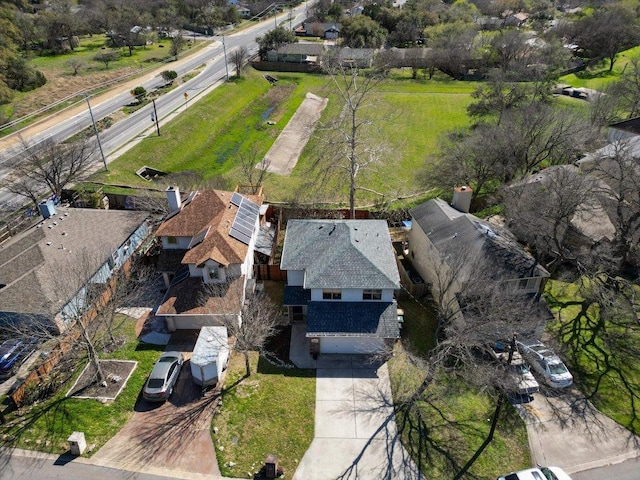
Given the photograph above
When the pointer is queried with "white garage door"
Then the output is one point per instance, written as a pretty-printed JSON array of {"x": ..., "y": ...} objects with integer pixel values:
[{"x": 351, "y": 345}]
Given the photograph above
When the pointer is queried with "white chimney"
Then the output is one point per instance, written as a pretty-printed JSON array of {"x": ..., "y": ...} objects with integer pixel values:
[
  {"x": 173, "y": 197},
  {"x": 462, "y": 198}
]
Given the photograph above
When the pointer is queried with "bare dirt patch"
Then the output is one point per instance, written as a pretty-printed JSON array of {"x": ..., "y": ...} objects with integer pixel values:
[{"x": 117, "y": 372}]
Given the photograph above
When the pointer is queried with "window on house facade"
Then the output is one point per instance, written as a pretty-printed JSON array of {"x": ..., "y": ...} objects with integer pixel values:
[
  {"x": 371, "y": 294},
  {"x": 213, "y": 272},
  {"x": 331, "y": 294},
  {"x": 172, "y": 240},
  {"x": 528, "y": 283}
]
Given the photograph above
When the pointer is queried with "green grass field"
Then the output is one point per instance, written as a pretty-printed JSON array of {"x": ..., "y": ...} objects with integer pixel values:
[
  {"x": 599, "y": 76},
  {"x": 232, "y": 122}
]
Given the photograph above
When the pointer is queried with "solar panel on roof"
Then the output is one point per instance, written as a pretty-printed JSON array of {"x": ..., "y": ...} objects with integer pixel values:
[
  {"x": 240, "y": 236},
  {"x": 245, "y": 221},
  {"x": 236, "y": 199},
  {"x": 198, "y": 237}
]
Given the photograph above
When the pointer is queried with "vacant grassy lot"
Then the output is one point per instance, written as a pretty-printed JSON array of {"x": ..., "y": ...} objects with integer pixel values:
[
  {"x": 231, "y": 123},
  {"x": 272, "y": 411},
  {"x": 457, "y": 421},
  {"x": 610, "y": 388},
  {"x": 60, "y": 79},
  {"x": 45, "y": 427},
  {"x": 599, "y": 76}
]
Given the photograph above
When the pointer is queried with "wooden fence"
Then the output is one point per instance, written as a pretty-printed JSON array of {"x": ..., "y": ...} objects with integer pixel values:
[{"x": 270, "y": 272}]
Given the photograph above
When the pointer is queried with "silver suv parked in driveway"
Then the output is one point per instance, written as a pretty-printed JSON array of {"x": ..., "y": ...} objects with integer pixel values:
[{"x": 544, "y": 361}]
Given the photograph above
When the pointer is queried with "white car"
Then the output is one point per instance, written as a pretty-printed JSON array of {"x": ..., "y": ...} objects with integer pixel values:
[
  {"x": 544, "y": 361},
  {"x": 523, "y": 380},
  {"x": 540, "y": 473}
]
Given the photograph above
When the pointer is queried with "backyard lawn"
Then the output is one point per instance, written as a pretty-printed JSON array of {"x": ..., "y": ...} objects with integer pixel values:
[
  {"x": 597, "y": 77},
  {"x": 270, "y": 412},
  {"x": 231, "y": 123},
  {"x": 45, "y": 427}
]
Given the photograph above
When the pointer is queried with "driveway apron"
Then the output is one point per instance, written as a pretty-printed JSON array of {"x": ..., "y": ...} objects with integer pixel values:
[
  {"x": 568, "y": 431},
  {"x": 355, "y": 430}
]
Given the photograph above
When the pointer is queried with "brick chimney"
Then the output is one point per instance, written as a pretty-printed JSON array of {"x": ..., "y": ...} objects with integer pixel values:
[{"x": 462, "y": 198}]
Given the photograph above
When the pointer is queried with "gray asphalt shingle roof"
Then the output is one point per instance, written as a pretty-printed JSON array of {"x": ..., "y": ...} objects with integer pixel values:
[
  {"x": 341, "y": 253},
  {"x": 375, "y": 319},
  {"x": 453, "y": 232},
  {"x": 41, "y": 267}
]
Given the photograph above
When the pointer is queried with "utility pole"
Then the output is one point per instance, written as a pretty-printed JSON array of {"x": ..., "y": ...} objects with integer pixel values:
[
  {"x": 155, "y": 115},
  {"x": 95, "y": 129},
  {"x": 226, "y": 67}
]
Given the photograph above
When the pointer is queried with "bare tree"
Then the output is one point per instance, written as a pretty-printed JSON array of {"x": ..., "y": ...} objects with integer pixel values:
[
  {"x": 239, "y": 59},
  {"x": 351, "y": 147},
  {"x": 75, "y": 64},
  {"x": 106, "y": 58},
  {"x": 544, "y": 209},
  {"x": 49, "y": 166},
  {"x": 254, "y": 169},
  {"x": 257, "y": 320}
]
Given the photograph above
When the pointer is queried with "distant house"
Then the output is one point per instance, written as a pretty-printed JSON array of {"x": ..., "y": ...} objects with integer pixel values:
[
  {"x": 328, "y": 31},
  {"x": 207, "y": 239},
  {"x": 357, "y": 57},
  {"x": 341, "y": 277},
  {"x": 47, "y": 271},
  {"x": 243, "y": 11},
  {"x": 515, "y": 19},
  {"x": 444, "y": 238},
  {"x": 297, "y": 53}
]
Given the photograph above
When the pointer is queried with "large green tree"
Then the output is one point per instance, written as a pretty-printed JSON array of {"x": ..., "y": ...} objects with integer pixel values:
[
  {"x": 362, "y": 32},
  {"x": 274, "y": 39}
]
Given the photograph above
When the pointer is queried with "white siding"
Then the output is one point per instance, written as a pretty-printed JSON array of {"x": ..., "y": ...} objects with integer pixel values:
[
  {"x": 352, "y": 345},
  {"x": 183, "y": 243}
]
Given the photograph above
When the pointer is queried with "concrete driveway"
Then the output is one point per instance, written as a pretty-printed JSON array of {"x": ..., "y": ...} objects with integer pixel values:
[
  {"x": 567, "y": 431},
  {"x": 355, "y": 430}
]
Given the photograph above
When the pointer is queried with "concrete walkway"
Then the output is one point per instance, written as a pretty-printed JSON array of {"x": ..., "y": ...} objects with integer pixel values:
[
  {"x": 567, "y": 431},
  {"x": 355, "y": 429}
]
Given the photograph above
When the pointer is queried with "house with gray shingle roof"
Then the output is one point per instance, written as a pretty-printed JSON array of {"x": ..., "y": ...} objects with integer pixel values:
[
  {"x": 46, "y": 271},
  {"x": 449, "y": 242},
  {"x": 208, "y": 238},
  {"x": 341, "y": 277}
]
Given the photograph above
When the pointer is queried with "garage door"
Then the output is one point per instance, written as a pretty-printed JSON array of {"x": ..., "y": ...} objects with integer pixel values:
[{"x": 351, "y": 345}]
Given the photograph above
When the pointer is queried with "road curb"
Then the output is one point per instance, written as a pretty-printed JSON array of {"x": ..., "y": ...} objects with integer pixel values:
[{"x": 605, "y": 462}]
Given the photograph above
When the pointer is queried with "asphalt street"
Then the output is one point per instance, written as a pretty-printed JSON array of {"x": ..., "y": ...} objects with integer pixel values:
[{"x": 30, "y": 465}]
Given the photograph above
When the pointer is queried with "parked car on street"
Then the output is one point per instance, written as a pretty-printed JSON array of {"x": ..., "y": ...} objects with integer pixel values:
[
  {"x": 544, "y": 361},
  {"x": 164, "y": 376},
  {"x": 17, "y": 354},
  {"x": 539, "y": 473}
]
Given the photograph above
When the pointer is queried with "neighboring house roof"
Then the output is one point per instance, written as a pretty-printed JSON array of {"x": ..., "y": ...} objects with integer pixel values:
[
  {"x": 591, "y": 220},
  {"x": 341, "y": 253},
  {"x": 211, "y": 214},
  {"x": 453, "y": 232},
  {"x": 348, "y": 53},
  {"x": 187, "y": 298},
  {"x": 72, "y": 243},
  {"x": 353, "y": 319},
  {"x": 301, "y": 49},
  {"x": 632, "y": 126}
]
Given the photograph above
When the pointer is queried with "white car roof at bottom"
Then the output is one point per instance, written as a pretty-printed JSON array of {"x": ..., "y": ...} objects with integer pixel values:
[{"x": 537, "y": 474}]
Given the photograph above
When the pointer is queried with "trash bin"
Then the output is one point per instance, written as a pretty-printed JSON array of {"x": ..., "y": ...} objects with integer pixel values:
[{"x": 77, "y": 443}]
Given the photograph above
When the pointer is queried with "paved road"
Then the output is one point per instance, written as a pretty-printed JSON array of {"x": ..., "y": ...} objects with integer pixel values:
[
  {"x": 212, "y": 56},
  {"x": 30, "y": 465},
  {"x": 629, "y": 470}
]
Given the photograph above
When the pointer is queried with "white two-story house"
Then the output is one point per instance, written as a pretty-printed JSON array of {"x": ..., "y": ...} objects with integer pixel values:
[
  {"x": 341, "y": 277},
  {"x": 208, "y": 239}
]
